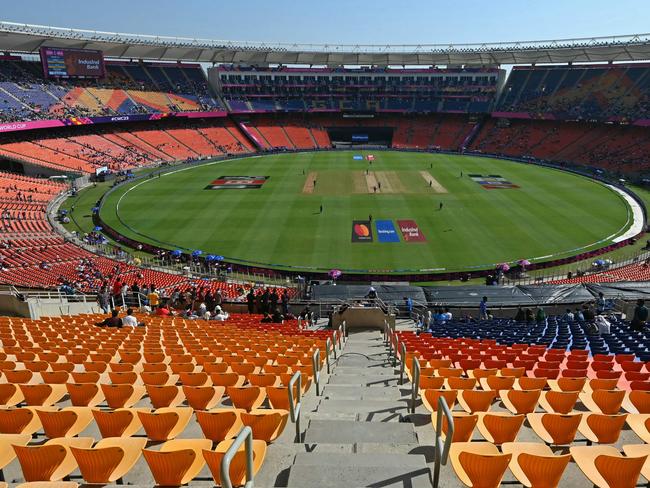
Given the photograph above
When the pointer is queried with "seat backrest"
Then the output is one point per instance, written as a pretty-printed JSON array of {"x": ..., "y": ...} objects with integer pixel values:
[
  {"x": 484, "y": 470},
  {"x": 620, "y": 472},
  {"x": 543, "y": 471},
  {"x": 562, "y": 428}
]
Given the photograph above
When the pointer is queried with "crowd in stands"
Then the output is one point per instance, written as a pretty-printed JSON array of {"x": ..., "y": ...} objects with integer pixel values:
[
  {"x": 361, "y": 90},
  {"x": 128, "y": 88},
  {"x": 32, "y": 255},
  {"x": 586, "y": 92},
  {"x": 618, "y": 148}
]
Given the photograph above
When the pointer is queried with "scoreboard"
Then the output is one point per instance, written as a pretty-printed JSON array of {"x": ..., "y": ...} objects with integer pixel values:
[{"x": 72, "y": 63}]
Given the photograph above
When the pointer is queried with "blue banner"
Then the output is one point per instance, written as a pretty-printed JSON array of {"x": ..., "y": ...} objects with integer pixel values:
[
  {"x": 357, "y": 157},
  {"x": 386, "y": 231}
]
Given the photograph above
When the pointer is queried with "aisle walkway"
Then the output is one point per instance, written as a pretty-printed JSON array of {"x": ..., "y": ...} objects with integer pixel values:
[{"x": 355, "y": 435}]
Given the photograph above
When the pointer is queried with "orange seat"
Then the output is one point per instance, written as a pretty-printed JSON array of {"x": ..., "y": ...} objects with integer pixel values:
[
  {"x": 52, "y": 461},
  {"x": 194, "y": 379},
  {"x": 264, "y": 379},
  {"x": 555, "y": 428},
  {"x": 497, "y": 427},
  {"x": 460, "y": 383},
  {"x": 279, "y": 396},
  {"x": 178, "y": 461},
  {"x": 431, "y": 382},
  {"x": 527, "y": 383},
  {"x": 267, "y": 424},
  {"x": 109, "y": 460},
  {"x": 10, "y": 395},
  {"x": 520, "y": 401},
  {"x": 121, "y": 422},
  {"x": 558, "y": 401},
  {"x": 476, "y": 400},
  {"x": 165, "y": 396},
  {"x": 637, "y": 401},
  {"x": 478, "y": 464},
  {"x": 203, "y": 397},
  {"x": 220, "y": 424},
  {"x": 535, "y": 465},
  {"x": 86, "y": 376},
  {"x": 43, "y": 394},
  {"x": 67, "y": 422},
  {"x": 601, "y": 428},
  {"x": 84, "y": 394},
  {"x": 237, "y": 471},
  {"x": 567, "y": 384},
  {"x": 122, "y": 396},
  {"x": 498, "y": 382},
  {"x": 19, "y": 421},
  {"x": 246, "y": 398},
  {"x": 165, "y": 423},
  {"x": 227, "y": 379},
  {"x": 463, "y": 425},
  {"x": 430, "y": 398},
  {"x": 606, "y": 468},
  {"x": 603, "y": 401}
]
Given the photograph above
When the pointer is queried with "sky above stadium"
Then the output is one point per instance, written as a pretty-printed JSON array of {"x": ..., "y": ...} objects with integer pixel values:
[{"x": 344, "y": 21}]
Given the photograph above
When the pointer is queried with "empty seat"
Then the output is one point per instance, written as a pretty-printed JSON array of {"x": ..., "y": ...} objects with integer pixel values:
[
  {"x": 555, "y": 428},
  {"x": 165, "y": 423},
  {"x": 498, "y": 427},
  {"x": 605, "y": 467},
  {"x": 601, "y": 428},
  {"x": 220, "y": 424},
  {"x": 109, "y": 460},
  {"x": 178, "y": 461},
  {"x": 121, "y": 422},
  {"x": 478, "y": 464},
  {"x": 535, "y": 465},
  {"x": 68, "y": 422},
  {"x": 51, "y": 461},
  {"x": 237, "y": 471}
]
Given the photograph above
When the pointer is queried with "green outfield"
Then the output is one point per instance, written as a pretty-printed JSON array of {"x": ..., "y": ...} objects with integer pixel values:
[{"x": 551, "y": 214}]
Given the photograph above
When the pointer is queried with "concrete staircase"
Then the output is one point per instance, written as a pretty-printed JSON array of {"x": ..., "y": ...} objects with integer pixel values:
[{"x": 354, "y": 433}]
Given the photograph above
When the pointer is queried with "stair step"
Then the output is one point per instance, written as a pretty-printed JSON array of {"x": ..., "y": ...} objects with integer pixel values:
[
  {"x": 344, "y": 392},
  {"x": 375, "y": 380},
  {"x": 350, "y": 432},
  {"x": 356, "y": 470},
  {"x": 370, "y": 369},
  {"x": 365, "y": 406}
]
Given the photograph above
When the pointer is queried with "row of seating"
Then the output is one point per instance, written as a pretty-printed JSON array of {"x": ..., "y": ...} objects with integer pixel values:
[
  {"x": 535, "y": 465},
  {"x": 226, "y": 376}
]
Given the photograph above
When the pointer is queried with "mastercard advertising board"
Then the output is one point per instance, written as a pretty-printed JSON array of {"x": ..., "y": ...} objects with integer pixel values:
[{"x": 361, "y": 231}]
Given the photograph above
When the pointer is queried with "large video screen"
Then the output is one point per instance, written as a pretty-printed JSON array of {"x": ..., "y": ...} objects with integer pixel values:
[{"x": 72, "y": 63}]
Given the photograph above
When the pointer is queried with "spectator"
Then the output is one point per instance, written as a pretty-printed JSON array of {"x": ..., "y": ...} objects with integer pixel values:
[
  {"x": 129, "y": 320},
  {"x": 568, "y": 316},
  {"x": 104, "y": 299},
  {"x": 483, "y": 309},
  {"x": 640, "y": 315},
  {"x": 602, "y": 324},
  {"x": 277, "y": 317},
  {"x": 220, "y": 314},
  {"x": 153, "y": 297},
  {"x": 112, "y": 321},
  {"x": 600, "y": 303}
]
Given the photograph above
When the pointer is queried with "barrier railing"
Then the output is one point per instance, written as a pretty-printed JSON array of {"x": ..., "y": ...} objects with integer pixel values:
[
  {"x": 245, "y": 436},
  {"x": 395, "y": 346},
  {"x": 294, "y": 408},
  {"x": 334, "y": 343},
  {"x": 315, "y": 365},
  {"x": 328, "y": 346},
  {"x": 402, "y": 368},
  {"x": 441, "y": 450},
  {"x": 415, "y": 387}
]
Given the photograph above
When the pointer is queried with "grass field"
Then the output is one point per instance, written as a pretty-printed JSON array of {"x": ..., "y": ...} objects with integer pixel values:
[{"x": 551, "y": 213}]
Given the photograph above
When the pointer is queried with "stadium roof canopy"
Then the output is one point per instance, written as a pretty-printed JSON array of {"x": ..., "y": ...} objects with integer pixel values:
[{"x": 26, "y": 38}]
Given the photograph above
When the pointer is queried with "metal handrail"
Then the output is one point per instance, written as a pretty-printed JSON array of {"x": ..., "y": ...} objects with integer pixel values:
[
  {"x": 441, "y": 450},
  {"x": 402, "y": 353},
  {"x": 294, "y": 409},
  {"x": 245, "y": 435},
  {"x": 415, "y": 387},
  {"x": 395, "y": 347},
  {"x": 334, "y": 343},
  {"x": 315, "y": 365},
  {"x": 328, "y": 347}
]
